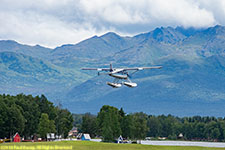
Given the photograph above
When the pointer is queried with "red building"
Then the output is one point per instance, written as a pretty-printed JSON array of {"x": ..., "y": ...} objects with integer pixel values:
[{"x": 16, "y": 138}]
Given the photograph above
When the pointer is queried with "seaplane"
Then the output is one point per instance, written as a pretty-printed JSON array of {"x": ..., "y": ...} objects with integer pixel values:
[{"x": 120, "y": 74}]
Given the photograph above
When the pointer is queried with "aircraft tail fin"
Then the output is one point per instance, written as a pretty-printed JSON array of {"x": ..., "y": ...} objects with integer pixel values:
[{"x": 111, "y": 68}]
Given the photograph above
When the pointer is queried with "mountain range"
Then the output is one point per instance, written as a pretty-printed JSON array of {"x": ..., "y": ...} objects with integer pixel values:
[{"x": 191, "y": 82}]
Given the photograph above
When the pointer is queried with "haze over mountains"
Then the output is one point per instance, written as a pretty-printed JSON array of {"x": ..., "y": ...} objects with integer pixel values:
[{"x": 191, "y": 82}]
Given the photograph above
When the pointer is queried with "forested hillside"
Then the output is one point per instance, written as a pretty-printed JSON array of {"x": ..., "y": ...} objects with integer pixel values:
[
  {"x": 112, "y": 122},
  {"x": 32, "y": 116}
]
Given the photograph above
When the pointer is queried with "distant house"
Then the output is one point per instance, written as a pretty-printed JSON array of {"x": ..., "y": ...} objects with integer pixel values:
[
  {"x": 50, "y": 136},
  {"x": 73, "y": 132},
  {"x": 120, "y": 139},
  {"x": 180, "y": 136},
  {"x": 85, "y": 137},
  {"x": 16, "y": 138},
  {"x": 162, "y": 138}
]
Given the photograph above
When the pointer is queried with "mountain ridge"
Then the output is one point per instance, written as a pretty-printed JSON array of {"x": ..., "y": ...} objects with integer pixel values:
[{"x": 193, "y": 71}]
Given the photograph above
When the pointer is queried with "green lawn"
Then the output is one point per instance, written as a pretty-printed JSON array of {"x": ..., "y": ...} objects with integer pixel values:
[{"x": 85, "y": 145}]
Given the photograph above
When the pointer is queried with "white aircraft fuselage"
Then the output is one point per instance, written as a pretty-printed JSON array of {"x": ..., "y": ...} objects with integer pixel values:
[{"x": 119, "y": 76}]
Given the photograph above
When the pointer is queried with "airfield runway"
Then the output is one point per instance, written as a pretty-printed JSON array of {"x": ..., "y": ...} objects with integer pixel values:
[
  {"x": 178, "y": 143},
  {"x": 184, "y": 143}
]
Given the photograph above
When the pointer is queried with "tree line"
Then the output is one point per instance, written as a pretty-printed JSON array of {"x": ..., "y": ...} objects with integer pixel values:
[
  {"x": 32, "y": 116},
  {"x": 111, "y": 122}
]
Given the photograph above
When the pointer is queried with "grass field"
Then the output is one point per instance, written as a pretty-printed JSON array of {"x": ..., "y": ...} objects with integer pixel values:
[{"x": 86, "y": 145}]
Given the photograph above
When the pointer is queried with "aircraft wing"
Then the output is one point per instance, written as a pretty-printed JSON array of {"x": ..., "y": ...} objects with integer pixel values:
[
  {"x": 98, "y": 69},
  {"x": 117, "y": 70},
  {"x": 142, "y": 68}
]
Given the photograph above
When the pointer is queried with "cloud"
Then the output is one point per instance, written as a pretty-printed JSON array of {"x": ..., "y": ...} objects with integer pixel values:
[
  {"x": 217, "y": 7},
  {"x": 118, "y": 12},
  {"x": 40, "y": 29},
  {"x": 55, "y": 22},
  {"x": 180, "y": 12},
  {"x": 42, "y": 23},
  {"x": 170, "y": 12}
]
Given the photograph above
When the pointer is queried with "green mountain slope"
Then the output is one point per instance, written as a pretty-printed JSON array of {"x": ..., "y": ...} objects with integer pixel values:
[
  {"x": 190, "y": 82},
  {"x": 25, "y": 74}
]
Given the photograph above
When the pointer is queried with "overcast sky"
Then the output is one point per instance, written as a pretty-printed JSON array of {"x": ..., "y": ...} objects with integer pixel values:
[{"x": 52, "y": 23}]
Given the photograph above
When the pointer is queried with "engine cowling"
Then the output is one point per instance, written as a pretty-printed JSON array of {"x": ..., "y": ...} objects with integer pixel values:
[
  {"x": 130, "y": 84},
  {"x": 114, "y": 85}
]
